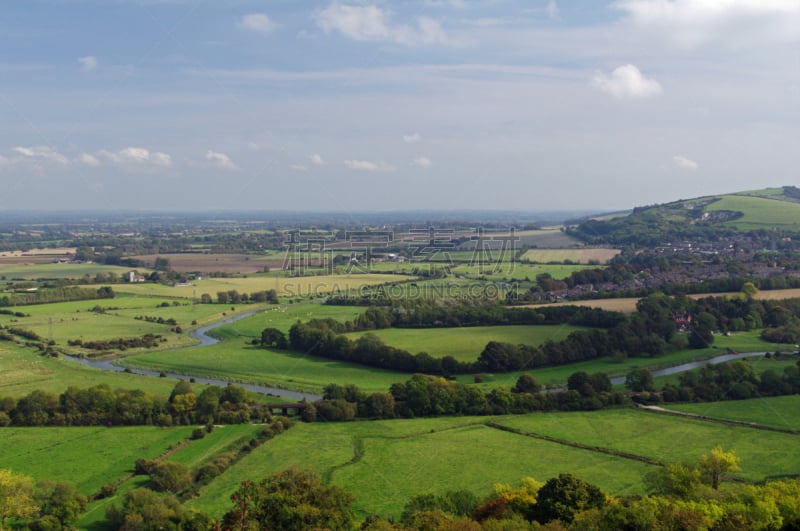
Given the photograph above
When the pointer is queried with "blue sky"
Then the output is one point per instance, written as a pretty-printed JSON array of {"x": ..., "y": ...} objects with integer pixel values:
[{"x": 387, "y": 105}]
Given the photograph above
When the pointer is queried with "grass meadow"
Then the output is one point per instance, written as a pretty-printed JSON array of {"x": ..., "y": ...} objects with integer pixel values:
[
  {"x": 236, "y": 359},
  {"x": 759, "y": 212},
  {"x": 114, "y": 451},
  {"x": 776, "y": 411},
  {"x": 385, "y": 463},
  {"x": 24, "y": 271},
  {"x": 23, "y": 370},
  {"x": 764, "y": 454},
  {"x": 88, "y": 457},
  {"x": 249, "y": 364},
  {"x": 67, "y": 321},
  {"x": 466, "y": 343}
]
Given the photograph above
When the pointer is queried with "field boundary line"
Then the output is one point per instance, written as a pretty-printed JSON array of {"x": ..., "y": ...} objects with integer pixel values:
[
  {"x": 359, "y": 449},
  {"x": 358, "y": 455},
  {"x": 575, "y": 444},
  {"x": 429, "y": 432},
  {"x": 730, "y": 422},
  {"x": 163, "y": 455}
]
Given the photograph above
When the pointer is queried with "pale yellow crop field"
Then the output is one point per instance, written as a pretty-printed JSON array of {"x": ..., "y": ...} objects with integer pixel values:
[
  {"x": 628, "y": 304},
  {"x": 286, "y": 287},
  {"x": 578, "y": 256}
]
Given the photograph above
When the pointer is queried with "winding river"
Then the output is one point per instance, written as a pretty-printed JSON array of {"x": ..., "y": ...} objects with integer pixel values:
[
  {"x": 683, "y": 367},
  {"x": 201, "y": 334}
]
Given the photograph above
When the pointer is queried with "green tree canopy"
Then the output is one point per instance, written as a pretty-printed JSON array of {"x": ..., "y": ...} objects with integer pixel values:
[
  {"x": 290, "y": 500},
  {"x": 16, "y": 496}
]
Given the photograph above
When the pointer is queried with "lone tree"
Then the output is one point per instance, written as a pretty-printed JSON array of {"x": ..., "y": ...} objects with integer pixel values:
[
  {"x": 273, "y": 338},
  {"x": 563, "y": 497},
  {"x": 638, "y": 380},
  {"x": 715, "y": 464},
  {"x": 527, "y": 384}
]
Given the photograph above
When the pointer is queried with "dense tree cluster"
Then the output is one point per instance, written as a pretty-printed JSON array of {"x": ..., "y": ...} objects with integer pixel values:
[
  {"x": 101, "y": 406},
  {"x": 49, "y": 504},
  {"x": 323, "y": 337},
  {"x": 120, "y": 343},
  {"x": 429, "y": 396},
  {"x": 290, "y": 500},
  {"x": 51, "y": 295},
  {"x": 234, "y": 297},
  {"x": 734, "y": 380},
  {"x": 447, "y": 314},
  {"x": 158, "y": 320},
  {"x": 650, "y": 332}
]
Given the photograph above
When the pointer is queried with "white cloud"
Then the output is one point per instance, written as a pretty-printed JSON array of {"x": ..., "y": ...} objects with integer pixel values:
[
  {"x": 42, "y": 152},
  {"x": 366, "y": 165},
  {"x": 257, "y": 22},
  {"x": 298, "y": 167},
  {"x": 253, "y": 146},
  {"x": 690, "y": 23},
  {"x": 88, "y": 63},
  {"x": 136, "y": 156},
  {"x": 88, "y": 160},
  {"x": 458, "y": 4},
  {"x": 371, "y": 23},
  {"x": 316, "y": 159},
  {"x": 422, "y": 162},
  {"x": 626, "y": 82},
  {"x": 684, "y": 163},
  {"x": 412, "y": 138},
  {"x": 221, "y": 160},
  {"x": 552, "y": 10}
]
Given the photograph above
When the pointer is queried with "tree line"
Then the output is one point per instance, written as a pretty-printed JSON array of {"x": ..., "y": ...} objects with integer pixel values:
[
  {"x": 324, "y": 337},
  {"x": 51, "y": 295},
  {"x": 430, "y": 396},
  {"x": 99, "y": 405},
  {"x": 234, "y": 297},
  {"x": 661, "y": 324}
]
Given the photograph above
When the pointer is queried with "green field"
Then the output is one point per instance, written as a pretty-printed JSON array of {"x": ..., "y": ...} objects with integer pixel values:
[
  {"x": 194, "y": 454},
  {"x": 60, "y": 271},
  {"x": 248, "y": 364},
  {"x": 398, "y": 459},
  {"x": 759, "y": 212},
  {"x": 87, "y": 457},
  {"x": 669, "y": 438},
  {"x": 284, "y": 316},
  {"x": 518, "y": 271},
  {"x": 67, "y": 321},
  {"x": 23, "y": 370},
  {"x": 235, "y": 359},
  {"x": 777, "y": 411},
  {"x": 466, "y": 343},
  {"x": 222, "y": 439}
]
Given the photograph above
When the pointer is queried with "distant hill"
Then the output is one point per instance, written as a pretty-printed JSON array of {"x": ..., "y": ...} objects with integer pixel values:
[{"x": 701, "y": 219}]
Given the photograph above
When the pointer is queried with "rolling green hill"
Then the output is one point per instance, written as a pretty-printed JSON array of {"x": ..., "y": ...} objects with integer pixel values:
[{"x": 700, "y": 219}]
